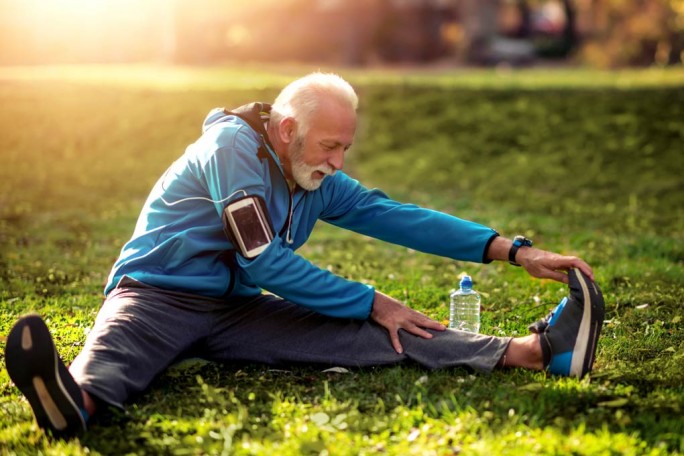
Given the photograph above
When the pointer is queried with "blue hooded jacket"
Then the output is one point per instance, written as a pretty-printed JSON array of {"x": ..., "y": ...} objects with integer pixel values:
[{"x": 179, "y": 243}]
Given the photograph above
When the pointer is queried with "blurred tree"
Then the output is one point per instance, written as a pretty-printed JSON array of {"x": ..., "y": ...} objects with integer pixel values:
[
  {"x": 608, "y": 33},
  {"x": 518, "y": 31},
  {"x": 567, "y": 40},
  {"x": 641, "y": 32}
]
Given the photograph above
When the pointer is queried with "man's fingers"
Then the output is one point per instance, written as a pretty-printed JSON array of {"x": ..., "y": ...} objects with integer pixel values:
[
  {"x": 422, "y": 320},
  {"x": 418, "y": 331},
  {"x": 394, "y": 337},
  {"x": 585, "y": 268},
  {"x": 394, "y": 316},
  {"x": 558, "y": 276},
  {"x": 567, "y": 262},
  {"x": 432, "y": 324},
  {"x": 574, "y": 262}
]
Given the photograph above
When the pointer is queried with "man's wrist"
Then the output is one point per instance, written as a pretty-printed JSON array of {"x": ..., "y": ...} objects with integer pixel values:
[{"x": 518, "y": 243}]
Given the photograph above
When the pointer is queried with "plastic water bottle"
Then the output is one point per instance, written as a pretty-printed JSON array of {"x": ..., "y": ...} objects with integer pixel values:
[{"x": 464, "y": 309}]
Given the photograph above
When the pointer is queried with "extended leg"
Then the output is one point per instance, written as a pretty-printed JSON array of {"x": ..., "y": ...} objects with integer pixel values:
[
  {"x": 270, "y": 330},
  {"x": 523, "y": 352}
]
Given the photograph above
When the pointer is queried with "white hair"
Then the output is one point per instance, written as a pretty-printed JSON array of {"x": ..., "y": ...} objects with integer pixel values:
[{"x": 300, "y": 98}]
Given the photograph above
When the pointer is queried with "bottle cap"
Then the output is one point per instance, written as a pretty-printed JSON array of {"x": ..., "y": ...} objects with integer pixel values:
[{"x": 466, "y": 282}]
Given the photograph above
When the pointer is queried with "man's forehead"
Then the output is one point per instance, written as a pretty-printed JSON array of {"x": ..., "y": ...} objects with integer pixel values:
[
  {"x": 332, "y": 142},
  {"x": 332, "y": 131},
  {"x": 334, "y": 121},
  {"x": 330, "y": 104}
]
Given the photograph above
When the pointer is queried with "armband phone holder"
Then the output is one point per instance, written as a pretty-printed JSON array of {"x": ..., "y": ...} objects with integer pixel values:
[{"x": 247, "y": 225}]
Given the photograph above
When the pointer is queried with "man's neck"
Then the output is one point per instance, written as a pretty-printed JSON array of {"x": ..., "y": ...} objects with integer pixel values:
[
  {"x": 280, "y": 150},
  {"x": 291, "y": 184}
]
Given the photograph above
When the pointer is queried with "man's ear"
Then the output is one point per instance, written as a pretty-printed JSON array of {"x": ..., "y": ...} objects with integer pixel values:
[{"x": 287, "y": 130}]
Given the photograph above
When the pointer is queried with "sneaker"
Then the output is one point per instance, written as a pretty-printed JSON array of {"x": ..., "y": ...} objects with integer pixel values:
[
  {"x": 36, "y": 369},
  {"x": 568, "y": 335}
]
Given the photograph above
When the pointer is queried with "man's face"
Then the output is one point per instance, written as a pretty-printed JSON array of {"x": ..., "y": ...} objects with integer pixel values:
[{"x": 320, "y": 152}]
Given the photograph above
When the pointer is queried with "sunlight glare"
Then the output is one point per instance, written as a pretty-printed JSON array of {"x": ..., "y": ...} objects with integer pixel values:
[
  {"x": 67, "y": 30},
  {"x": 70, "y": 10}
]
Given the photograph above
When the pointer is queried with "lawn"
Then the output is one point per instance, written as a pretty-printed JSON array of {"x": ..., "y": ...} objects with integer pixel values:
[{"x": 586, "y": 163}]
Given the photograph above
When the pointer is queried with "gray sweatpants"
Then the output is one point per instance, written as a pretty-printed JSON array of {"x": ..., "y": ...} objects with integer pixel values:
[{"x": 140, "y": 330}]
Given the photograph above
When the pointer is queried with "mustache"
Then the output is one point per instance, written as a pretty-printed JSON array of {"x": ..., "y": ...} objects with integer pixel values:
[{"x": 327, "y": 170}]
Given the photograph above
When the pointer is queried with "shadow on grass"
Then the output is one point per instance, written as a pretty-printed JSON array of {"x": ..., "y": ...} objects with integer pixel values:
[{"x": 204, "y": 404}]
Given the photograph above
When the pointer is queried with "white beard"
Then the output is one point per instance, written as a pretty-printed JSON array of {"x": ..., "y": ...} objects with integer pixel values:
[{"x": 302, "y": 172}]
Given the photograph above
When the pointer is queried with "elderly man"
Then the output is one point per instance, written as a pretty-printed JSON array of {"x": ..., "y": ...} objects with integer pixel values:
[{"x": 223, "y": 223}]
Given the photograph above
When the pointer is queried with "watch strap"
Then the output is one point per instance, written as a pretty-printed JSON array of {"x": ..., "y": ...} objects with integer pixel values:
[{"x": 518, "y": 241}]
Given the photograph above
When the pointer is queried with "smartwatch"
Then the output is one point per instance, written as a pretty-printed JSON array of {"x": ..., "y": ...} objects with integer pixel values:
[{"x": 518, "y": 241}]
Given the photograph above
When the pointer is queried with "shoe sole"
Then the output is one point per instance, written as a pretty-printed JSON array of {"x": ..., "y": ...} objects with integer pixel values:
[
  {"x": 34, "y": 367},
  {"x": 584, "y": 350}
]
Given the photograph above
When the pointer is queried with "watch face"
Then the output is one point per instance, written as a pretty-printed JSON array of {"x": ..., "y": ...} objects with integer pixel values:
[{"x": 522, "y": 241}]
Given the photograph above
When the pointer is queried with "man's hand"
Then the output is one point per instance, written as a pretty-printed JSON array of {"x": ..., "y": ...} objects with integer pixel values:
[
  {"x": 543, "y": 264},
  {"x": 393, "y": 315},
  {"x": 538, "y": 263}
]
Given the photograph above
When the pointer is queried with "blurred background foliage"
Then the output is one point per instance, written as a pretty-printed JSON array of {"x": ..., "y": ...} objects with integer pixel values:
[
  {"x": 598, "y": 33},
  {"x": 591, "y": 170}
]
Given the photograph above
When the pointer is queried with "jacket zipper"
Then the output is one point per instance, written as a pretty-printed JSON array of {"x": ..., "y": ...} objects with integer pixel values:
[{"x": 287, "y": 227}]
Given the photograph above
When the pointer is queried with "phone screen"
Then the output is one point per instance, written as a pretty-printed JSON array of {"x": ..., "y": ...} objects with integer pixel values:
[{"x": 250, "y": 227}]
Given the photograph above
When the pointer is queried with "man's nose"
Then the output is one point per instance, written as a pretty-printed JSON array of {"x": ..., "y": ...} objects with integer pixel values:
[{"x": 337, "y": 159}]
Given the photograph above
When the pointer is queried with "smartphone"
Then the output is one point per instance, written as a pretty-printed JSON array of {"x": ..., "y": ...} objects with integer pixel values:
[{"x": 247, "y": 225}]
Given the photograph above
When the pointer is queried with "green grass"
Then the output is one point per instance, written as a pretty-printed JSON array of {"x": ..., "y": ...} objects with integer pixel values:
[
  {"x": 587, "y": 163},
  {"x": 251, "y": 76}
]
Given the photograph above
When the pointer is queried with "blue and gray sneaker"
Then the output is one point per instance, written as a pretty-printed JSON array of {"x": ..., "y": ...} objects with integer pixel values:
[
  {"x": 36, "y": 369},
  {"x": 568, "y": 335}
]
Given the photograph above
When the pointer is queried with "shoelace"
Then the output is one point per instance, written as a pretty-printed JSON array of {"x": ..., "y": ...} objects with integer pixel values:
[{"x": 540, "y": 326}]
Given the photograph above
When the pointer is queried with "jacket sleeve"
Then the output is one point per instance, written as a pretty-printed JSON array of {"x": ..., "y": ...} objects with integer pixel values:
[
  {"x": 235, "y": 168},
  {"x": 281, "y": 271},
  {"x": 373, "y": 213}
]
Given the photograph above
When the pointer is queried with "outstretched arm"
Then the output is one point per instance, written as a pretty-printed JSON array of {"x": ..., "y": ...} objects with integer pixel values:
[{"x": 539, "y": 263}]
